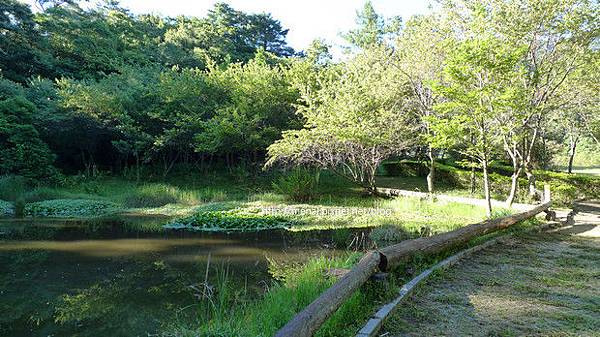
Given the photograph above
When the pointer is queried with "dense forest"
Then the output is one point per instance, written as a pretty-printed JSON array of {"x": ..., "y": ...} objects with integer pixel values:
[{"x": 102, "y": 89}]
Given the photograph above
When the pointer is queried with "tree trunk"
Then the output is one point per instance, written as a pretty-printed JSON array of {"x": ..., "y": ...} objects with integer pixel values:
[
  {"x": 431, "y": 175},
  {"x": 572, "y": 148},
  {"x": 137, "y": 168},
  {"x": 472, "y": 179},
  {"x": 514, "y": 186},
  {"x": 486, "y": 188},
  {"x": 530, "y": 180}
]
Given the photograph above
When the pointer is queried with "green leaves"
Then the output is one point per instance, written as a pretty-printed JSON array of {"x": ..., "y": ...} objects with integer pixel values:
[
  {"x": 354, "y": 118},
  {"x": 21, "y": 148},
  {"x": 69, "y": 208},
  {"x": 238, "y": 219}
]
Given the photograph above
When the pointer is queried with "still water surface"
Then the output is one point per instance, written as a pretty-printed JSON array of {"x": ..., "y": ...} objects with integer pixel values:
[{"x": 113, "y": 278}]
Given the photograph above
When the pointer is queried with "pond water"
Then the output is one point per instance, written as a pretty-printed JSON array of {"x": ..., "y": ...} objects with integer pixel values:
[{"x": 113, "y": 278}]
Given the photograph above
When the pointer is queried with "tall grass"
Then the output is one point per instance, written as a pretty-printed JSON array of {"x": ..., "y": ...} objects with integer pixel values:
[{"x": 299, "y": 286}]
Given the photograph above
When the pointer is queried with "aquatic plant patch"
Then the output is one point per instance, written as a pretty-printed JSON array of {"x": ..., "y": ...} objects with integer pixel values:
[
  {"x": 70, "y": 208},
  {"x": 6, "y": 208},
  {"x": 238, "y": 219}
]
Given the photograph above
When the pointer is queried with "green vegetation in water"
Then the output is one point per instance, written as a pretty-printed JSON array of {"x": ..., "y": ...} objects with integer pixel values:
[
  {"x": 69, "y": 208},
  {"x": 410, "y": 215},
  {"x": 298, "y": 285},
  {"x": 238, "y": 219}
]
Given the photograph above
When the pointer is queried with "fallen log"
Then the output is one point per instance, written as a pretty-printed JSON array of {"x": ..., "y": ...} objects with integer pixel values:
[
  {"x": 396, "y": 254},
  {"x": 310, "y": 319}
]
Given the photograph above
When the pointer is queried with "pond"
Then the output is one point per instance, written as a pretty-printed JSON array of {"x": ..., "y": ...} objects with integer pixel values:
[{"x": 113, "y": 278}]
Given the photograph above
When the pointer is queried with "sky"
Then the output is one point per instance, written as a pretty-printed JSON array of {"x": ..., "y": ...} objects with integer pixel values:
[{"x": 305, "y": 19}]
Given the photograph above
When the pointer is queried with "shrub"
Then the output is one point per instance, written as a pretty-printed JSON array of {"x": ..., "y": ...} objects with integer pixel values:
[
  {"x": 69, "y": 208},
  {"x": 22, "y": 150},
  {"x": 298, "y": 185},
  {"x": 12, "y": 187},
  {"x": 6, "y": 208}
]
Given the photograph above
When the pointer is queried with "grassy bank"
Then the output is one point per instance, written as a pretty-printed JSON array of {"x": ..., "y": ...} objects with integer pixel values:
[
  {"x": 297, "y": 286},
  {"x": 222, "y": 203},
  {"x": 454, "y": 179},
  {"x": 234, "y": 202}
]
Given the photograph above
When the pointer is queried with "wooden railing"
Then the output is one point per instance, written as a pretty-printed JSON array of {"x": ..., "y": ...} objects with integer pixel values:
[{"x": 310, "y": 319}]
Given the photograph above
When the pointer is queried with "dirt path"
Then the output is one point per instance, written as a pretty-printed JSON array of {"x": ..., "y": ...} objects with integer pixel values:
[{"x": 544, "y": 284}]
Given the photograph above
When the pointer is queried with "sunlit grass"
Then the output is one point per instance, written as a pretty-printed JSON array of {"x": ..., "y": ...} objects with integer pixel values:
[{"x": 296, "y": 288}]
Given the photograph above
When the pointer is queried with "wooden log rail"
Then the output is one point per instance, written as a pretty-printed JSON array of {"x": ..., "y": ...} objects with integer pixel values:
[{"x": 310, "y": 319}]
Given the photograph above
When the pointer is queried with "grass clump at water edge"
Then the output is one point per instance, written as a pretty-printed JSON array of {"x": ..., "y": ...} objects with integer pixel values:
[{"x": 297, "y": 286}]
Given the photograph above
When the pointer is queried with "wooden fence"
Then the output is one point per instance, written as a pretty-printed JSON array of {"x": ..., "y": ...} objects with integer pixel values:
[{"x": 310, "y": 319}]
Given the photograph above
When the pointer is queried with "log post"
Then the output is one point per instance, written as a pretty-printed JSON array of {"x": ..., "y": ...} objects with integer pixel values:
[{"x": 546, "y": 193}]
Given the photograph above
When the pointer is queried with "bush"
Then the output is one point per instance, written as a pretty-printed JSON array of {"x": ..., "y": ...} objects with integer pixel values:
[
  {"x": 12, "y": 187},
  {"x": 22, "y": 150},
  {"x": 69, "y": 208},
  {"x": 298, "y": 185},
  {"x": 6, "y": 208}
]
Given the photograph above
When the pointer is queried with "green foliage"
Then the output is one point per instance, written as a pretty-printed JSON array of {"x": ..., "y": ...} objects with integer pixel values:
[
  {"x": 298, "y": 185},
  {"x": 21, "y": 149},
  {"x": 372, "y": 28},
  {"x": 237, "y": 219},
  {"x": 21, "y": 51},
  {"x": 299, "y": 285},
  {"x": 258, "y": 108},
  {"x": 70, "y": 208},
  {"x": 353, "y": 121},
  {"x": 567, "y": 187},
  {"x": 12, "y": 187},
  {"x": 6, "y": 208}
]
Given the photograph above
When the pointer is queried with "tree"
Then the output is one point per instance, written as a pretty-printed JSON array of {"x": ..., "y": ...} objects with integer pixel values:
[
  {"x": 257, "y": 108},
  {"x": 558, "y": 35},
  {"x": 21, "y": 149},
  {"x": 353, "y": 121},
  {"x": 576, "y": 113},
  {"x": 228, "y": 35},
  {"x": 421, "y": 50},
  {"x": 21, "y": 52},
  {"x": 477, "y": 88},
  {"x": 372, "y": 29}
]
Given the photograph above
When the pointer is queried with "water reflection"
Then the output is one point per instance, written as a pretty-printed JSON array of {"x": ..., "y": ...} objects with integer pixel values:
[{"x": 120, "y": 277}]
